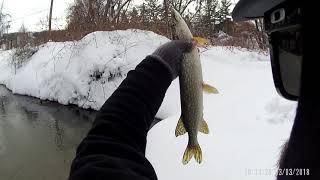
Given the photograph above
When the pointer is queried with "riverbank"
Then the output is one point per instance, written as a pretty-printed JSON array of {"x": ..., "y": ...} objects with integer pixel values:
[{"x": 84, "y": 73}]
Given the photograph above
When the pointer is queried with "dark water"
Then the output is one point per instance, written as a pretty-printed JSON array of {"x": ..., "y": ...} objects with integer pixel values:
[{"x": 38, "y": 139}]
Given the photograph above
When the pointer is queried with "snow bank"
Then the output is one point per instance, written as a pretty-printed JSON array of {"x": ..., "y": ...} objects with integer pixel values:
[
  {"x": 248, "y": 121},
  {"x": 84, "y": 72}
]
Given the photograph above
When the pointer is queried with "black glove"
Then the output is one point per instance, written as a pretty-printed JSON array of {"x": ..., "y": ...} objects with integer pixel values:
[{"x": 171, "y": 53}]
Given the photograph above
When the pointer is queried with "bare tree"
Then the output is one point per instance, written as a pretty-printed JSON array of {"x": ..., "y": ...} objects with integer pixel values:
[
  {"x": 4, "y": 21},
  {"x": 181, "y": 5},
  {"x": 166, "y": 15},
  {"x": 112, "y": 9},
  {"x": 152, "y": 11},
  {"x": 50, "y": 19},
  {"x": 261, "y": 37},
  {"x": 95, "y": 12}
]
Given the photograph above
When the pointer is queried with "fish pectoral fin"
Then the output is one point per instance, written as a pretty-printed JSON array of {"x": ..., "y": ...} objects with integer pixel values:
[
  {"x": 192, "y": 151},
  {"x": 201, "y": 42},
  {"x": 180, "y": 129},
  {"x": 209, "y": 89},
  {"x": 204, "y": 127}
]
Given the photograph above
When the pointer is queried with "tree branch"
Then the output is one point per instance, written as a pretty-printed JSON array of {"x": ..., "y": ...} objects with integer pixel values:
[
  {"x": 120, "y": 8},
  {"x": 185, "y": 7}
]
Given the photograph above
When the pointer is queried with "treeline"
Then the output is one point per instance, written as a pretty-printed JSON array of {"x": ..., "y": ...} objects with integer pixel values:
[
  {"x": 206, "y": 18},
  {"x": 154, "y": 15},
  {"x": 88, "y": 15}
]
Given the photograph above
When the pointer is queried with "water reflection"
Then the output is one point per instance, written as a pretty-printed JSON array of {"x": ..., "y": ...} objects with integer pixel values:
[{"x": 38, "y": 138}]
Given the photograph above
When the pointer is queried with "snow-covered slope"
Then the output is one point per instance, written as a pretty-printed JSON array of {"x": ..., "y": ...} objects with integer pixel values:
[
  {"x": 84, "y": 72},
  {"x": 248, "y": 121}
]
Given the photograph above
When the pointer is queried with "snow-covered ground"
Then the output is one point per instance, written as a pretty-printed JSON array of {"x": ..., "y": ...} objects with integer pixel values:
[{"x": 248, "y": 121}]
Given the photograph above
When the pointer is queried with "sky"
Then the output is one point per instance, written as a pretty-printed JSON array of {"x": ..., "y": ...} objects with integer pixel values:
[{"x": 33, "y": 13}]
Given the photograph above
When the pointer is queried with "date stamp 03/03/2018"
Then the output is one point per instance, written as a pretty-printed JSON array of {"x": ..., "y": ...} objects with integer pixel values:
[{"x": 277, "y": 172}]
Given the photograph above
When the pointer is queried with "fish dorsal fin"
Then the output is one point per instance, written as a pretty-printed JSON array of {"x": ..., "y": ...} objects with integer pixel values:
[
  {"x": 203, "y": 127},
  {"x": 209, "y": 89},
  {"x": 180, "y": 129}
]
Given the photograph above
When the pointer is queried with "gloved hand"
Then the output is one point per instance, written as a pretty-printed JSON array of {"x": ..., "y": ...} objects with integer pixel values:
[{"x": 171, "y": 53}]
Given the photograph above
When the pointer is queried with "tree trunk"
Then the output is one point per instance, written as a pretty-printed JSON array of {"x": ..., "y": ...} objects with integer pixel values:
[
  {"x": 166, "y": 17},
  {"x": 91, "y": 12},
  {"x": 50, "y": 18}
]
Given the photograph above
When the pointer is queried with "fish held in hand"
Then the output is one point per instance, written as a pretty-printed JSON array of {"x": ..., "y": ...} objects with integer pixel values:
[{"x": 191, "y": 92}]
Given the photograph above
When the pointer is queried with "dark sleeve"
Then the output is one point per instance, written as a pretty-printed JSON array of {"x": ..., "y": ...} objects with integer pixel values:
[{"x": 115, "y": 146}]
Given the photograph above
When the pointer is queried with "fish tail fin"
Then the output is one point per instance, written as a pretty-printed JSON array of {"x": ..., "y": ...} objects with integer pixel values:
[
  {"x": 204, "y": 127},
  {"x": 180, "y": 129},
  {"x": 192, "y": 151},
  {"x": 209, "y": 89}
]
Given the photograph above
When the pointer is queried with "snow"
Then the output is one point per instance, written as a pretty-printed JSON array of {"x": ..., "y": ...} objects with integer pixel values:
[
  {"x": 248, "y": 120},
  {"x": 84, "y": 72},
  {"x": 222, "y": 34}
]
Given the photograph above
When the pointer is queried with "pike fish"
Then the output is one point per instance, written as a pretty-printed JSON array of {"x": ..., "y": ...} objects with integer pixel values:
[{"x": 191, "y": 92}]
